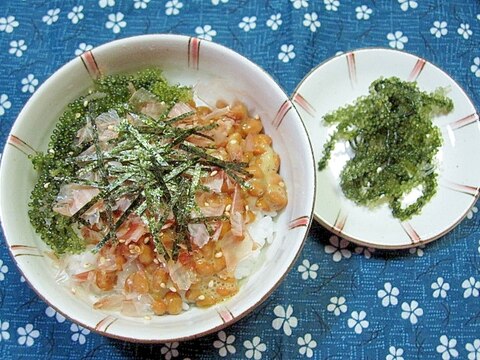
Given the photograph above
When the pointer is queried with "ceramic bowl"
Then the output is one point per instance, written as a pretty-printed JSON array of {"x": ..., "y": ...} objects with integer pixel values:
[
  {"x": 338, "y": 82},
  {"x": 216, "y": 72}
]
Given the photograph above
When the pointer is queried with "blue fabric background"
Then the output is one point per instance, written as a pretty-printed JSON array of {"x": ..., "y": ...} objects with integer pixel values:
[{"x": 448, "y": 324}]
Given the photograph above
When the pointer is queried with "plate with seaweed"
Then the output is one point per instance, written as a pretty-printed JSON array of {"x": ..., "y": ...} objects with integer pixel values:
[{"x": 395, "y": 140}]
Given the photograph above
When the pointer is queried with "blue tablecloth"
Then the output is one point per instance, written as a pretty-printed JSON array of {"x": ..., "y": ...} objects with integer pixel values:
[{"x": 339, "y": 301}]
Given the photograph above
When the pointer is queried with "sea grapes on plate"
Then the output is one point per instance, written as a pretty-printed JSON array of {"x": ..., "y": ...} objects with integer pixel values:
[{"x": 395, "y": 144}]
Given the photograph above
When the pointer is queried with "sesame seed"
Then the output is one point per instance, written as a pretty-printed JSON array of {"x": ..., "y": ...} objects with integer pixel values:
[
  {"x": 163, "y": 286},
  {"x": 210, "y": 284},
  {"x": 156, "y": 261},
  {"x": 121, "y": 241},
  {"x": 46, "y": 185},
  {"x": 77, "y": 115},
  {"x": 281, "y": 183},
  {"x": 201, "y": 297},
  {"x": 218, "y": 255},
  {"x": 146, "y": 241},
  {"x": 228, "y": 207},
  {"x": 233, "y": 142},
  {"x": 85, "y": 103},
  {"x": 51, "y": 151},
  {"x": 147, "y": 317},
  {"x": 172, "y": 289},
  {"x": 213, "y": 173},
  {"x": 74, "y": 291},
  {"x": 207, "y": 204},
  {"x": 247, "y": 208},
  {"x": 134, "y": 249}
]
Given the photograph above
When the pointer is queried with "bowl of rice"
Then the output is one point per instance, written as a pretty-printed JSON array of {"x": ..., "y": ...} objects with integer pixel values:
[{"x": 165, "y": 193}]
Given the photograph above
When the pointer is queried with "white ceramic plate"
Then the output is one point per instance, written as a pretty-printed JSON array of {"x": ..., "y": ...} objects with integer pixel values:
[
  {"x": 217, "y": 72},
  {"x": 339, "y": 81}
]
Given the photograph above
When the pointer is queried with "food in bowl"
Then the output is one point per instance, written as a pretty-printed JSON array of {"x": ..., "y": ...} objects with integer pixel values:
[
  {"x": 213, "y": 72},
  {"x": 393, "y": 144},
  {"x": 152, "y": 202}
]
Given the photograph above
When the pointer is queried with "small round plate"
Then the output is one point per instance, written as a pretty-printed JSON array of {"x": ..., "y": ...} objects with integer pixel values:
[{"x": 338, "y": 82}]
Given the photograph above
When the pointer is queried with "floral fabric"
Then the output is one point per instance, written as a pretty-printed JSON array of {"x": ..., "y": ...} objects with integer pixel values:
[{"x": 339, "y": 301}]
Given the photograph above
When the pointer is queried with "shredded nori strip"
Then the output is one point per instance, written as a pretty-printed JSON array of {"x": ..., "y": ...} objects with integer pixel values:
[{"x": 150, "y": 162}]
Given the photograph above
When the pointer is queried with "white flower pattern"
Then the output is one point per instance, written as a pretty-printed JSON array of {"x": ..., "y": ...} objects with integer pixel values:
[
  {"x": 337, "y": 305},
  {"x": 311, "y": 21},
  {"x": 447, "y": 348},
  {"x": 17, "y": 47},
  {"x": 169, "y": 350},
  {"x": 27, "y": 335},
  {"x": 366, "y": 251},
  {"x": 307, "y": 344},
  {"x": 116, "y": 22},
  {"x": 275, "y": 21},
  {"x": 338, "y": 248},
  {"x": 255, "y": 348},
  {"x": 29, "y": 83},
  {"x": 298, "y": 4},
  {"x": 205, "y": 32},
  {"x": 83, "y": 47},
  {"x": 248, "y": 23},
  {"x": 105, "y": 3},
  {"x": 471, "y": 287},
  {"x": 397, "y": 40},
  {"x": 285, "y": 319},
  {"x": 50, "y": 312},
  {"x": 8, "y": 24},
  {"x": 474, "y": 209},
  {"x": 4, "y": 334},
  {"x": 440, "y": 288},
  {"x": 308, "y": 271},
  {"x": 475, "y": 68},
  {"x": 388, "y": 294},
  {"x": 51, "y": 17},
  {"x": 411, "y": 311},
  {"x": 418, "y": 250},
  {"x": 394, "y": 353},
  {"x": 286, "y": 53},
  {"x": 76, "y": 14},
  {"x": 5, "y": 104},
  {"x": 224, "y": 344},
  {"x": 363, "y": 12},
  {"x": 465, "y": 31},
  {"x": 473, "y": 349},
  {"x": 439, "y": 29},
  {"x": 140, "y": 4},
  {"x": 358, "y": 321},
  {"x": 408, "y": 4},
  {"x": 173, "y": 7},
  {"x": 79, "y": 333},
  {"x": 331, "y": 5}
]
